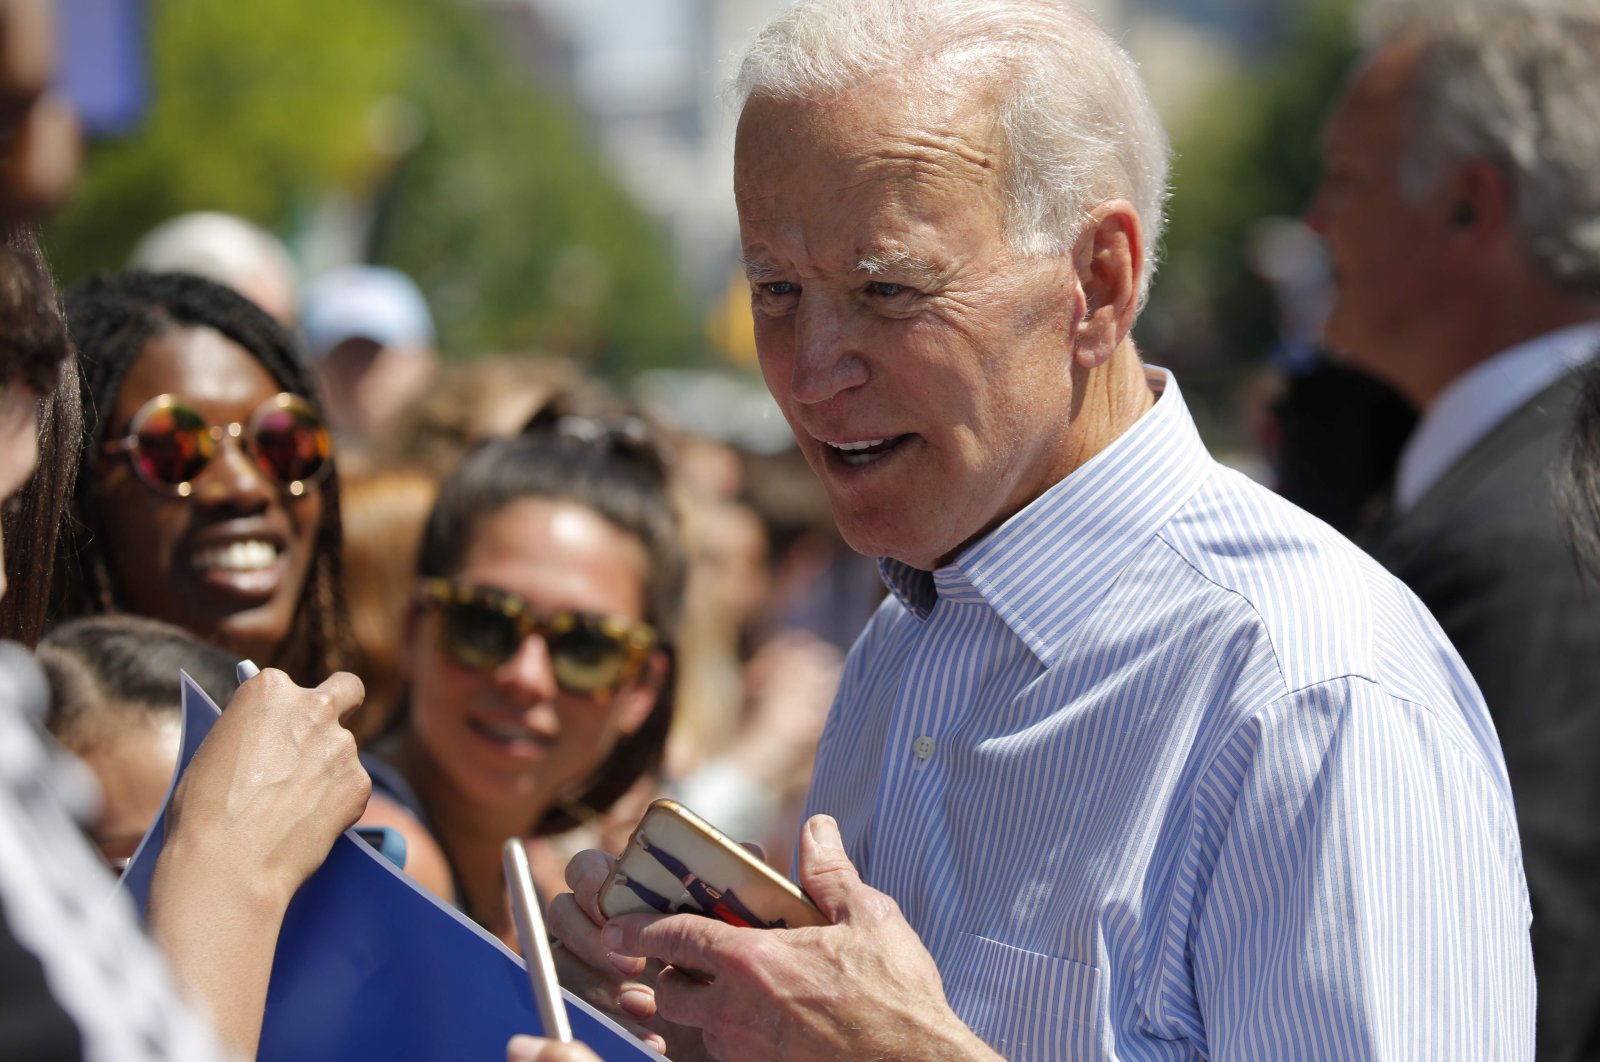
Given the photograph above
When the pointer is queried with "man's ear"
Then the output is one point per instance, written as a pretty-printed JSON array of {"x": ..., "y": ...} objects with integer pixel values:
[
  {"x": 1477, "y": 200},
  {"x": 1109, "y": 258}
]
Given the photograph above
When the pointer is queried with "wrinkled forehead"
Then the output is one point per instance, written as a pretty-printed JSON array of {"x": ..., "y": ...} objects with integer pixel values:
[{"x": 924, "y": 125}]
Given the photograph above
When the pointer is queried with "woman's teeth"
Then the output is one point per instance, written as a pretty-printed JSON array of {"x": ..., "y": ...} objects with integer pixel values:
[{"x": 237, "y": 557}]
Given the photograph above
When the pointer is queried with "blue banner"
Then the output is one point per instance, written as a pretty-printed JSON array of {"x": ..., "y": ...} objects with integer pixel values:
[{"x": 371, "y": 965}]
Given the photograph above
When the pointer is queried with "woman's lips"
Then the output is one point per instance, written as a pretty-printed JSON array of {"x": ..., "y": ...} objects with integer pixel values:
[{"x": 511, "y": 739}]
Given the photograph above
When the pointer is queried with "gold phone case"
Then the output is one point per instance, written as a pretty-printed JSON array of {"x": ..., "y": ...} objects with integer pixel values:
[{"x": 676, "y": 862}]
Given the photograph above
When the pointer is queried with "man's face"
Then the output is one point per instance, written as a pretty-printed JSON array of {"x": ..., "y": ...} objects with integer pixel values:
[
  {"x": 922, "y": 363},
  {"x": 1385, "y": 249}
]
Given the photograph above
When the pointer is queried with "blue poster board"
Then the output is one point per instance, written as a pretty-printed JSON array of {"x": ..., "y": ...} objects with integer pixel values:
[{"x": 371, "y": 965}]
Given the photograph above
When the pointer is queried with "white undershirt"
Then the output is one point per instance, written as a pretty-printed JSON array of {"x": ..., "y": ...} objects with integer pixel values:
[{"x": 1472, "y": 404}]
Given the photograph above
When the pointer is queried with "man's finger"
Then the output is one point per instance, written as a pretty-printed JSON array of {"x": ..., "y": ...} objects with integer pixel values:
[
  {"x": 576, "y": 930},
  {"x": 685, "y": 999},
  {"x": 826, "y": 872},
  {"x": 689, "y": 942},
  {"x": 585, "y": 873}
]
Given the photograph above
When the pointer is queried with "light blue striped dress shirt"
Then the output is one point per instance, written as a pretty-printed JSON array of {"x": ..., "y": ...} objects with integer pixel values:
[{"x": 1164, "y": 768}]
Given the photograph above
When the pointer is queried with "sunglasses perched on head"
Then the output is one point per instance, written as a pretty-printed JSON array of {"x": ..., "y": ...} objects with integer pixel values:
[
  {"x": 170, "y": 444},
  {"x": 622, "y": 436},
  {"x": 481, "y": 628}
]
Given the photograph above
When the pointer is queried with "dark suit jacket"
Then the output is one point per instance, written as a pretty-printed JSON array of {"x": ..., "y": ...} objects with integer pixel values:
[{"x": 1484, "y": 550}]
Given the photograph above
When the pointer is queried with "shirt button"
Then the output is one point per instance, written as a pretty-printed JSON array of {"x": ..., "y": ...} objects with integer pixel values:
[{"x": 923, "y": 748}]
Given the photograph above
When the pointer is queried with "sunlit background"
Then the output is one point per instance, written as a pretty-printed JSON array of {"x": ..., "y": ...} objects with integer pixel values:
[{"x": 556, "y": 173}]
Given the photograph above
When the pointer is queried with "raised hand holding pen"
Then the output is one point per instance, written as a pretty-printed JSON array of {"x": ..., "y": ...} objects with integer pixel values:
[{"x": 271, "y": 788}]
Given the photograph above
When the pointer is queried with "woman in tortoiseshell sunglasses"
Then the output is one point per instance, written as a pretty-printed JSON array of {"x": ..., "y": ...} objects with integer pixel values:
[{"x": 550, "y": 585}]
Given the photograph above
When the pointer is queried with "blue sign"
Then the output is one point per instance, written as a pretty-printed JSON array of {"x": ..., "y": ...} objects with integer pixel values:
[{"x": 371, "y": 965}]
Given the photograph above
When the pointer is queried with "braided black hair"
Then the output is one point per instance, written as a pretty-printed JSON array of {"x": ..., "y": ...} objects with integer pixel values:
[{"x": 111, "y": 317}]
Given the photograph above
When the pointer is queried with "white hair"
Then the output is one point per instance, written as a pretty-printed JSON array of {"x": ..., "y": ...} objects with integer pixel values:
[
  {"x": 1515, "y": 83},
  {"x": 1079, "y": 126}
]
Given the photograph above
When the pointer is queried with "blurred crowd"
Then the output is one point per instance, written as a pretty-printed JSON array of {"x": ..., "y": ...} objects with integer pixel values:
[
  {"x": 235, "y": 462},
  {"x": 292, "y": 474}
]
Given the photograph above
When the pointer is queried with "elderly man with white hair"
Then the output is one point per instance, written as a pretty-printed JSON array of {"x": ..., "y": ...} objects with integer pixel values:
[{"x": 1136, "y": 760}]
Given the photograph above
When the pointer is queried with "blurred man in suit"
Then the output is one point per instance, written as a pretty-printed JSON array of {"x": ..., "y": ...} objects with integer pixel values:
[{"x": 1461, "y": 210}]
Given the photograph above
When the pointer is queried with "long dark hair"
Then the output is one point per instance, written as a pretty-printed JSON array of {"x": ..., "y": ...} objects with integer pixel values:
[
  {"x": 112, "y": 316},
  {"x": 613, "y": 468},
  {"x": 34, "y": 353}
]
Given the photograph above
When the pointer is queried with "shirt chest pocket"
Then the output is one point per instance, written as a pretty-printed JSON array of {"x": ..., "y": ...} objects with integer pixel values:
[{"x": 1024, "y": 1004}]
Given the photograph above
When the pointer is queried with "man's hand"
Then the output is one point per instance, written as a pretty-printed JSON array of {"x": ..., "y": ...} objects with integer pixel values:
[
  {"x": 864, "y": 987},
  {"x": 620, "y": 985}
]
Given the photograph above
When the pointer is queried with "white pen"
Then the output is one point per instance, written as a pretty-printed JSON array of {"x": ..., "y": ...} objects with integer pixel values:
[{"x": 246, "y": 670}]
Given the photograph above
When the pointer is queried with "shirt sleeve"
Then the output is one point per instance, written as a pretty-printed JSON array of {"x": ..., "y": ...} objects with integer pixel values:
[{"x": 1355, "y": 888}]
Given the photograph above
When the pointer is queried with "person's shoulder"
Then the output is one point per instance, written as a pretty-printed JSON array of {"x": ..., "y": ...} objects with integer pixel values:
[
  {"x": 1321, "y": 601},
  {"x": 1248, "y": 540},
  {"x": 1500, "y": 488}
]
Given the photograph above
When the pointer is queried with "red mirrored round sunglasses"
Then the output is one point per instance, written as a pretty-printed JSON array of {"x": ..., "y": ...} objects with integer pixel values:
[{"x": 170, "y": 444}]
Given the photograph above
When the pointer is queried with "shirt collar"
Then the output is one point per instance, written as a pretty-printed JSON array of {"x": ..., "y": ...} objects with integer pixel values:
[
  {"x": 1470, "y": 406},
  {"x": 1045, "y": 567}
]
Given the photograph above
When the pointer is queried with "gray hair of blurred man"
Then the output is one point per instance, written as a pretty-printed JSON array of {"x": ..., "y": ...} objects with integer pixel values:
[
  {"x": 1515, "y": 83},
  {"x": 227, "y": 249},
  {"x": 1078, "y": 123}
]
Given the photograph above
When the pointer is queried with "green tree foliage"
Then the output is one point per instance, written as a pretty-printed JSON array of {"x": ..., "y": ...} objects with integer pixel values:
[
  {"x": 503, "y": 213},
  {"x": 1251, "y": 152},
  {"x": 251, "y": 105},
  {"x": 506, "y": 219}
]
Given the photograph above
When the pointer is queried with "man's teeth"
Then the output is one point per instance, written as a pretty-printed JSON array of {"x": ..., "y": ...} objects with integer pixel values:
[
  {"x": 237, "y": 557},
  {"x": 864, "y": 452}
]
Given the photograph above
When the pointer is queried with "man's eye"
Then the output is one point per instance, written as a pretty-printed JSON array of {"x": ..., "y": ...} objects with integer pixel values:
[
  {"x": 884, "y": 289},
  {"x": 779, "y": 287}
]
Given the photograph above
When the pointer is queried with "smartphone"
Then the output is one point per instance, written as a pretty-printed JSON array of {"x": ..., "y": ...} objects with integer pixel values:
[
  {"x": 535, "y": 941},
  {"x": 676, "y": 862}
]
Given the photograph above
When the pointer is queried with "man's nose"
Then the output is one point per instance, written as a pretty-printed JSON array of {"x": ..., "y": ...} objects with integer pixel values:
[{"x": 828, "y": 354}]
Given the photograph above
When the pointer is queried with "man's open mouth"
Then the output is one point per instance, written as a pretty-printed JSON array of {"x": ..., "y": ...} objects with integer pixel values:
[{"x": 866, "y": 451}]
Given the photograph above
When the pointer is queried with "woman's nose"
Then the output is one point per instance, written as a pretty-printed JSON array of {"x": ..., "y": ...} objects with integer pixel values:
[{"x": 233, "y": 478}]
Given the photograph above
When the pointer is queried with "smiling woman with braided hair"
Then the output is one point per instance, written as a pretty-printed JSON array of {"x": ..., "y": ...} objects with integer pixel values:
[{"x": 207, "y": 495}]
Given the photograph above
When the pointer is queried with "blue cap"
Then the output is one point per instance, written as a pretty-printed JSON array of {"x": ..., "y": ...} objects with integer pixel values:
[{"x": 364, "y": 302}]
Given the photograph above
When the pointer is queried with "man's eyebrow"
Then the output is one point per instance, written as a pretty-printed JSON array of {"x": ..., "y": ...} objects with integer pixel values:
[
  {"x": 758, "y": 268},
  {"x": 916, "y": 269}
]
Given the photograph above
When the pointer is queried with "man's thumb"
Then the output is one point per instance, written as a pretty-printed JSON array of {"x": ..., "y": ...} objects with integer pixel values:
[{"x": 826, "y": 872}]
